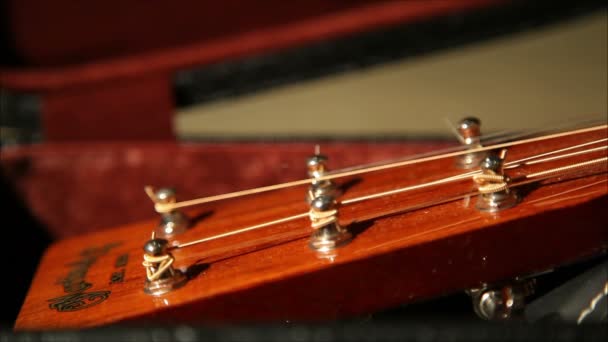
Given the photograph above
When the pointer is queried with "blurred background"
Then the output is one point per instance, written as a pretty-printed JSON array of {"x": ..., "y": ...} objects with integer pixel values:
[
  {"x": 523, "y": 80},
  {"x": 330, "y": 69},
  {"x": 99, "y": 98}
]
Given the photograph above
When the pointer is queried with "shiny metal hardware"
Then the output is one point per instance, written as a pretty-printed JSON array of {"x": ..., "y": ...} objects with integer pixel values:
[
  {"x": 171, "y": 223},
  {"x": 317, "y": 167},
  {"x": 469, "y": 130},
  {"x": 501, "y": 302},
  {"x": 328, "y": 234},
  {"x": 161, "y": 276},
  {"x": 493, "y": 185},
  {"x": 321, "y": 196}
]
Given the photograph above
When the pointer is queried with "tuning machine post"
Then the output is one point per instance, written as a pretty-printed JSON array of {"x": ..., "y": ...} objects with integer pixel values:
[
  {"x": 328, "y": 234},
  {"x": 493, "y": 185},
  {"x": 317, "y": 167},
  {"x": 469, "y": 132},
  {"x": 172, "y": 222},
  {"x": 161, "y": 276},
  {"x": 502, "y": 301}
]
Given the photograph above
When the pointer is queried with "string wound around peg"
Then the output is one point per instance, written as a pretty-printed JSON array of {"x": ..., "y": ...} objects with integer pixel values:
[
  {"x": 327, "y": 233},
  {"x": 172, "y": 222},
  {"x": 161, "y": 276},
  {"x": 493, "y": 184}
]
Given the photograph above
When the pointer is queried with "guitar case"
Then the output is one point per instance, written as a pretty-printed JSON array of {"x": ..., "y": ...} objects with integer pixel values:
[{"x": 88, "y": 94}]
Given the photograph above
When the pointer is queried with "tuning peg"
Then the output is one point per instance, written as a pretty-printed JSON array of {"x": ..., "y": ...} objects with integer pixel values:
[
  {"x": 317, "y": 168},
  {"x": 321, "y": 196},
  {"x": 502, "y": 302},
  {"x": 328, "y": 234},
  {"x": 469, "y": 129},
  {"x": 161, "y": 276},
  {"x": 317, "y": 165},
  {"x": 493, "y": 184},
  {"x": 469, "y": 133},
  {"x": 173, "y": 222}
]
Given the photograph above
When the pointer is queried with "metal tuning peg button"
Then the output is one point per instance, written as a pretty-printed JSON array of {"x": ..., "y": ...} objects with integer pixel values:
[
  {"x": 328, "y": 234},
  {"x": 502, "y": 302},
  {"x": 469, "y": 131},
  {"x": 161, "y": 276},
  {"x": 317, "y": 168},
  {"x": 493, "y": 185},
  {"x": 173, "y": 222}
]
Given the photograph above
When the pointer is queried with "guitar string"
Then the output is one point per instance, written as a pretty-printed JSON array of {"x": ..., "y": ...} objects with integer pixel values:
[
  {"x": 547, "y": 130},
  {"x": 451, "y": 179},
  {"x": 509, "y": 135},
  {"x": 167, "y": 207},
  {"x": 462, "y": 196},
  {"x": 470, "y": 173},
  {"x": 345, "y": 202},
  {"x": 571, "y": 154},
  {"x": 298, "y": 234},
  {"x": 298, "y": 216},
  {"x": 532, "y": 177},
  {"x": 405, "y": 189},
  {"x": 500, "y": 136},
  {"x": 557, "y": 170},
  {"x": 516, "y": 163},
  {"x": 239, "y": 231},
  {"x": 382, "y": 194}
]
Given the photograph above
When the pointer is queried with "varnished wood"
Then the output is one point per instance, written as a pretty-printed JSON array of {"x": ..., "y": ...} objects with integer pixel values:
[{"x": 439, "y": 244}]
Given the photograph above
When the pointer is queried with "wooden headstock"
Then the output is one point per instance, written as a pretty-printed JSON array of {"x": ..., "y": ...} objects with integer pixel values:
[{"x": 427, "y": 240}]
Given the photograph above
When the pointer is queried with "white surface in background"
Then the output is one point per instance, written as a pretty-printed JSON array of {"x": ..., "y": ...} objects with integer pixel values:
[{"x": 551, "y": 75}]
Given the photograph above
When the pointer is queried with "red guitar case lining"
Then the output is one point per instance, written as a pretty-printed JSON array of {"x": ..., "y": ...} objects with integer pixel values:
[
  {"x": 104, "y": 70},
  {"x": 79, "y": 188}
]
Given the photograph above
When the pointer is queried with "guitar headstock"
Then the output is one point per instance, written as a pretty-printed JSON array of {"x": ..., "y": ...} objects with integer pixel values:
[{"x": 339, "y": 243}]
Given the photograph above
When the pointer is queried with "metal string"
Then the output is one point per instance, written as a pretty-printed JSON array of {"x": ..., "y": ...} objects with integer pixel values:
[
  {"x": 167, "y": 207},
  {"x": 530, "y": 161},
  {"x": 532, "y": 177}
]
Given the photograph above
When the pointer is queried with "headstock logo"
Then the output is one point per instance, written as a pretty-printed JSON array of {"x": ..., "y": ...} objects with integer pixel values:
[{"x": 75, "y": 284}]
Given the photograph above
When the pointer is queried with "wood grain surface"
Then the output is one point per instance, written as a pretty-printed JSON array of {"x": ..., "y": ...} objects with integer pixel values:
[{"x": 407, "y": 246}]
